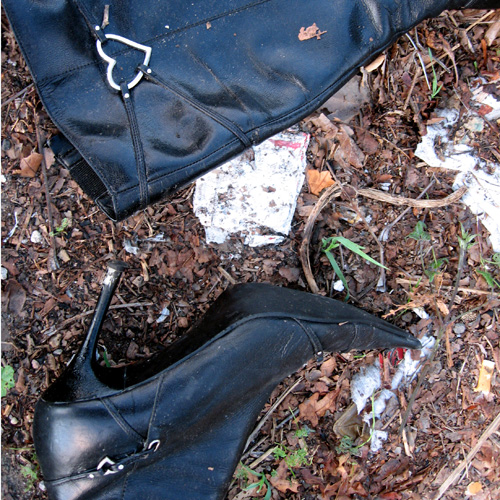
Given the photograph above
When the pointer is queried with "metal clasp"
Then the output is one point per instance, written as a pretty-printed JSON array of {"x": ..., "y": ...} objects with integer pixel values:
[
  {"x": 112, "y": 62},
  {"x": 108, "y": 470},
  {"x": 155, "y": 443}
]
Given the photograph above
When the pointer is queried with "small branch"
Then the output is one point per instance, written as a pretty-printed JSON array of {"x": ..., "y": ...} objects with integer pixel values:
[
  {"x": 263, "y": 420},
  {"x": 420, "y": 58},
  {"x": 41, "y": 140},
  {"x": 460, "y": 268},
  {"x": 82, "y": 315},
  {"x": 328, "y": 194},
  {"x": 425, "y": 281},
  {"x": 374, "y": 194},
  {"x": 227, "y": 275},
  {"x": 19, "y": 94},
  {"x": 491, "y": 429},
  {"x": 384, "y": 234},
  {"x": 334, "y": 191}
]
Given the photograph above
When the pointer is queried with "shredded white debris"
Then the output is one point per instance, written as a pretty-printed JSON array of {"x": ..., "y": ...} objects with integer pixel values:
[
  {"x": 338, "y": 286},
  {"x": 130, "y": 247},
  {"x": 36, "y": 237},
  {"x": 457, "y": 152},
  {"x": 408, "y": 368},
  {"x": 421, "y": 312},
  {"x": 164, "y": 314},
  {"x": 255, "y": 194},
  {"x": 378, "y": 440},
  {"x": 364, "y": 384},
  {"x": 368, "y": 381}
]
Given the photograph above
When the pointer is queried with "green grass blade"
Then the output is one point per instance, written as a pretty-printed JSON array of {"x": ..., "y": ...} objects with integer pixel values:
[
  {"x": 338, "y": 272},
  {"x": 357, "y": 249}
]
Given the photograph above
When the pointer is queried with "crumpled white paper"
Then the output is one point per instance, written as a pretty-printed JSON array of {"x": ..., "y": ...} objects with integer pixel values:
[{"x": 255, "y": 194}]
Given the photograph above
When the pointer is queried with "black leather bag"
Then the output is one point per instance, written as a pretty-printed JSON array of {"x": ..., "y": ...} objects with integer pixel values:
[
  {"x": 174, "y": 426},
  {"x": 195, "y": 82}
]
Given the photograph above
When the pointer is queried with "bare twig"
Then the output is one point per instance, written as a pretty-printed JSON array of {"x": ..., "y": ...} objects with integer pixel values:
[
  {"x": 227, "y": 275},
  {"x": 82, "y": 315},
  {"x": 384, "y": 234},
  {"x": 374, "y": 194},
  {"x": 424, "y": 281},
  {"x": 21, "y": 93},
  {"x": 334, "y": 191},
  {"x": 326, "y": 197},
  {"x": 420, "y": 58},
  {"x": 490, "y": 430},
  {"x": 263, "y": 420},
  {"x": 41, "y": 140}
]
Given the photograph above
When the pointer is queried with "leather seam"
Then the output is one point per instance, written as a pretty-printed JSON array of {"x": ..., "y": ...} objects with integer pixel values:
[
  {"x": 137, "y": 145},
  {"x": 155, "y": 407},
  {"x": 120, "y": 420}
]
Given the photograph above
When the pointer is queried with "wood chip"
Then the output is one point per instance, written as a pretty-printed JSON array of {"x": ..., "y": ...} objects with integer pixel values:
[{"x": 485, "y": 375}]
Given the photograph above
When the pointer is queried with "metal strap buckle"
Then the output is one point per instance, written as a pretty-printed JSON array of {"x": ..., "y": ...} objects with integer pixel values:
[
  {"x": 112, "y": 62},
  {"x": 155, "y": 443},
  {"x": 106, "y": 461}
]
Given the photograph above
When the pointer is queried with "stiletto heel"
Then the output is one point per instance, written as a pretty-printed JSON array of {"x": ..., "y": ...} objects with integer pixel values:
[{"x": 79, "y": 381}]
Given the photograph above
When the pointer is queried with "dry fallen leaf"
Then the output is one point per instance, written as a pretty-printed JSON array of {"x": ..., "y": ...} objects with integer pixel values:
[
  {"x": 319, "y": 180},
  {"x": 30, "y": 164},
  {"x": 349, "y": 423},
  {"x": 281, "y": 482},
  {"x": 375, "y": 64},
  {"x": 442, "y": 307},
  {"x": 314, "y": 408},
  {"x": 346, "y": 103},
  {"x": 17, "y": 297},
  {"x": 474, "y": 488},
  {"x": 348, "y": 152},
  {"x": 310, "y": 32}
]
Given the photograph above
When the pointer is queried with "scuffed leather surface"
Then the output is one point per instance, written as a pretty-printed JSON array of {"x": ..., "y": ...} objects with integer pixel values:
[
  {"x": 202, "y": 407},
  {"x": 239, "y": 58}
]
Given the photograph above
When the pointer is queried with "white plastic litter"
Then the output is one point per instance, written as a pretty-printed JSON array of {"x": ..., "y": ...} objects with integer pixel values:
[
  {"x": 378, "y": 440},
  {"x": 338, "y": 286},
  {"x": 365, "y": 383},
  {"x": 255, "y": 194},
  {"x": 456, "y": 152},
  {"x": 408, "y": 368},
  {"x": 164, "y": 314},
  {"x": 130, "y": 247},
  {"x": 36, "y": 237}
]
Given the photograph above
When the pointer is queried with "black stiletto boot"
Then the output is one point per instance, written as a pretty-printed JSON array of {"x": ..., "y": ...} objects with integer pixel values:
[{"x": 174, "y": 426}]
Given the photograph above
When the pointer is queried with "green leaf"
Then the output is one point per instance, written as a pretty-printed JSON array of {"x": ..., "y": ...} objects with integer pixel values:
[
  {"x": 338, "y": 271},
  {"x": 492, "y": 282},
  {"x": 354, "y": 247},
  {"x": 419, "y": 232},
  {"x": 7, "y": 379},
  {"x": 330, "y": 244}
]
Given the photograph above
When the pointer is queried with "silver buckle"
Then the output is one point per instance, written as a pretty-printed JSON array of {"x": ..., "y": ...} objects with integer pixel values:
[
  {"x": 106, "y": 461},
  {"x": 112, "y": 62},
  {"x": 155, "y": 443}
]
